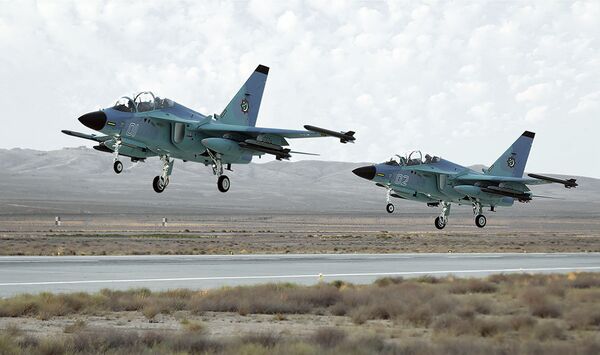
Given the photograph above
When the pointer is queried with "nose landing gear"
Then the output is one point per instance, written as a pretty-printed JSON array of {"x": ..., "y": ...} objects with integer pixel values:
[
  {"x": 390, "y": 206},
  {"x": 441, "y": 221},
  {"x": 117, "y": 165}
]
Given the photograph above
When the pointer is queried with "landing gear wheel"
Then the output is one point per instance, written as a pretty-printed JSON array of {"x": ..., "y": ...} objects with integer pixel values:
[
  {"x": 439, "y": 223},
  {"x": 118, "y": 167},
  {"x": 223, "y": 183},
  {"x": 389, "y": 208},
  {"x": 480, "y": 221},
  {"x": 159, "y": 184}
]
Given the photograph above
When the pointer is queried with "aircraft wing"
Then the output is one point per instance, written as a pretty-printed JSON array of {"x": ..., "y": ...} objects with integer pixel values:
[
  {"x": 286, "y": 133},
  {"x": 533, "y": 179},
  {"x": 91, "y": 137}
]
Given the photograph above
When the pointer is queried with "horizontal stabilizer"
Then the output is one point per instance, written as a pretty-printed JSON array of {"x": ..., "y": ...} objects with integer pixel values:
[
  {"x": 344, "y": 137},
  {"x": 568, "y": 183}
]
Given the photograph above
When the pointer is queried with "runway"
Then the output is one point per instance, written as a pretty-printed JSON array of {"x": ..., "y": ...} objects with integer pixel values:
[{"x": 92, "y": 273}]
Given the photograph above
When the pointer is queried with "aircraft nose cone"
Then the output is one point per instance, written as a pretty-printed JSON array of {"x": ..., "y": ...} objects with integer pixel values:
[
  {"x": 365, "y": 172},
  {"x": 94, "y": 120}
]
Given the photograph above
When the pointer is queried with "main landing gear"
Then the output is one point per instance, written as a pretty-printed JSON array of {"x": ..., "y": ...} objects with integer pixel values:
[
  {"x": 160, "y": 182},
  {"x": 442, "y": 219},
  {"x": 480, "y": 219},
  {"x": 223, "y": 182}
]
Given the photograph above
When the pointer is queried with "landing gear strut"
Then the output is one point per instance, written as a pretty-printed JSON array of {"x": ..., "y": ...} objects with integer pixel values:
[
  {"x": 117, "y": 165},
  {"x": 223, "y": 182},
  {"x": 480, "y": 219},
  {"x": 442, "y": 219},
  {"x": 160, "y": 182}
]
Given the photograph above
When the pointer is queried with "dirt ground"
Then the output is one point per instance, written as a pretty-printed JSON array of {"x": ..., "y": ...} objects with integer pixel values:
[{"x": 320, "y": 233}]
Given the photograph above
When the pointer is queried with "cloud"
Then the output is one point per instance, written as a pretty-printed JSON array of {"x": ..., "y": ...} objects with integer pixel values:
[
  {"x": 536, "y": 114},
  {"x": 442, "y": 78}
]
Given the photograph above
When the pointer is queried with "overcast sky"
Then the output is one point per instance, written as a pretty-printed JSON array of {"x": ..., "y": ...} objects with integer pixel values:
[{"x": 458, "y": 79}]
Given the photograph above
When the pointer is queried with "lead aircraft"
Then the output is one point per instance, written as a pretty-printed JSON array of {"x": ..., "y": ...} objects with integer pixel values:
[
  {"x": 147, "y": 126},
  {"x": 440, "y": 182}
]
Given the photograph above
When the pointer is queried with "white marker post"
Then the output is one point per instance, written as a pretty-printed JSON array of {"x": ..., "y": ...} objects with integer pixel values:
[{"x": 164, "y": 222}]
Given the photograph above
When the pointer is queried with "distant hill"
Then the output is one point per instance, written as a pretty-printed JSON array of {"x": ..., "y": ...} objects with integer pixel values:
[{"x": 81, "y": 180}]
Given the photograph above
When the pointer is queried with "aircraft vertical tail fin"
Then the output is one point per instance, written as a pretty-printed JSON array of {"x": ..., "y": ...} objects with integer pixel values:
[
  {"x": 512, "y": 162},
  {"x": 242, "y": 110}
]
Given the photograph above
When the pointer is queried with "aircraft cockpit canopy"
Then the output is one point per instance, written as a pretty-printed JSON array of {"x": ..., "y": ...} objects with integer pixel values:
[
  {"x": 142, "y": 102},
  {"x": 414, "y": 158}
]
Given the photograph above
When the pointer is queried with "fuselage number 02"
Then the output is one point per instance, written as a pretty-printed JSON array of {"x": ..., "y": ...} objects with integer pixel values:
[{"x": 401, "y": 180}]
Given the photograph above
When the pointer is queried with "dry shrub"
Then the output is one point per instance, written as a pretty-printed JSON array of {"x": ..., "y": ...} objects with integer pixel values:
[
  {"x": 539, "y": 304},
  {"x": 546, "y": 309},
  {"x": 267, "y": 299},
  {"x": 584, "y": 317},
  {"x": 549, "y": 330},
  {"x": 487, "y": 327},
  {"x": 18, "y": 306},
  {"x": 479, "y": 303},
  {"x": 442, "y": 304},
  {"x": 152, "y": 339},
  {"x": 8, "y": 345},
  {"x": 428, "y": 279},
  {"x": 585, "y": 280},
  {"x": 462, "y": 287},
  {"x": 520, "y": 322},
  {"x": 386, "y": 281},
  {"x": 194, "y": 344},
  {"x": 194, "y": 326},
  {"x": 264, "y": 339},
  {"x": 420, "y": 316},
  {"x": 13, "y": 330},
  {"x": 131, "y": 300},
  {"x": 150, "y": 311},
  {"x": 452, "y": 324},
  {"x": 76, "y": 326},
  {"x": 372, "y": 311},
  {"x": 329, "y": 337},
  {"x": 52, "y": 346}
]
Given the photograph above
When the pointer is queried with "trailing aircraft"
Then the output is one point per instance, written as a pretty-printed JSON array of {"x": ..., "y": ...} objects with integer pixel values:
[{"x": 440, "y": 182}]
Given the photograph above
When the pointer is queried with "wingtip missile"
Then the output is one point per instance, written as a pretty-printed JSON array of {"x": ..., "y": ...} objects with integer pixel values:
[
  {"x": 344, "y": 137},
  {"x": 569, "y": 183}
]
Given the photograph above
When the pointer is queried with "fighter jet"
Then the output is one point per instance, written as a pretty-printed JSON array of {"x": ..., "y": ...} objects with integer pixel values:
[
  {"x": 440, "y": 182},
  {"x": 146, "y": 126}
]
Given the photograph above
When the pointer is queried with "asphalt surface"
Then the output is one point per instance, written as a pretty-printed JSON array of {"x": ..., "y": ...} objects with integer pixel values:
[{"x": 92, "y": 273}]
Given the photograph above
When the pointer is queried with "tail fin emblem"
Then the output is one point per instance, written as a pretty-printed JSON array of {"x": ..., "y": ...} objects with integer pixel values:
[
  {"x": 511, "y": 162},
  {"x": 245, "y": 105}
]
